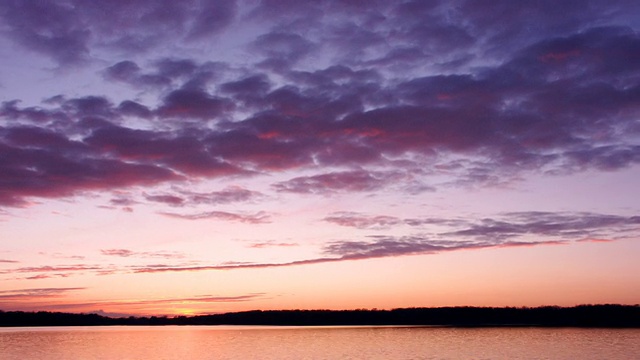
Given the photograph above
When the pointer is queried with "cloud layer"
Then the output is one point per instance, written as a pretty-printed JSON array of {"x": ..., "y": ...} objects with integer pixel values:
[
  {"x": 359, "y": 99},
  {"x": 519, "y": 229}
]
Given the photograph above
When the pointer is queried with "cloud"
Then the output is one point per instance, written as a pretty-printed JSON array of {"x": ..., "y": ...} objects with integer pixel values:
[
  {"x": 589, "y": 240},
  {"x": 193, "y": 103},
  {"x": 7, "y": 261},
  {"x": 69, "y": 32},
  {"x": 355, "y": 250},
  {"x": 28, "y": 172},
  {"x": 268, "y": 244},
  {"x": 35, "y": 293},
  {"x": 163, "y": 73},
  {"x": 49, "y": 28},
  {"x": 502, "y": 228},
  {"x": 32, "y": 300},
  {"x": 358, "y": 95},
  {"x": 168, "y": 268},
  {"x": 213, "y": 17},
  {"x": 142, "y": 254},
  {"x": 129, "y": 72},
  {"x": 53, "y": 269},
  {"x": 64, "y": 256},
  {"x": 392, "y": 246},
  {"x": 228, "y": 195},
  {"x": 282, "y": 49},
  {"x": 260, "y": 217},
  {"x": 171, "y": 200},
  {"x": 347, "y": 181},
  {"x": 547, "y": 224},
  {"x": 515, "y": 229},
  {"x": 204, "y": 299},
  {"x": 57, "y": 271},
  {"x": 359, "y": 221}
]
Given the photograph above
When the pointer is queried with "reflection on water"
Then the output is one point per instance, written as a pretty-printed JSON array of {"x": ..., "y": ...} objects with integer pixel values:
[{"x": 243, "y": 342}]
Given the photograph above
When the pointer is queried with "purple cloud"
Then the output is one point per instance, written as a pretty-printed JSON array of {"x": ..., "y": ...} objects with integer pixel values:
[
  {"x": 170, "y": 200},
  {"x": 208, "y": 299},
  {"x": 362, "y": 221},
  {"x": 355, "y": 93},
  {"x": 47, "y": 27},
  {"x": 228, "y": 195},
  {"x": 56, "y": 268},
  {"x": 282, "y": 49},
  {"x": 29, "y": 300},
  {"x": 260, "y": 217},
  {"x": 193, "y": 103},
  {"x": 508, "y": 230},
  {"x": 129, "y": 72},
  {"x": 164, "y": 73},
  {"x": 548, "y": 228},
  {"x": 356, "y": 250},
  {"x": 268, "y": 244},
  {"x": 142, "y": 254},
  {"x": 54, "y": 172},
  {"x": 36, "y": 293},
  {"x": 563, "y": 225},
  {"x": 69, "y": 31},
  {"x": 358, "y": 180}
]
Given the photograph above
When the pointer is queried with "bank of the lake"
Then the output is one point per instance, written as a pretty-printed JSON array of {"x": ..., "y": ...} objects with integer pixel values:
[{"x": 615, "y": 316}]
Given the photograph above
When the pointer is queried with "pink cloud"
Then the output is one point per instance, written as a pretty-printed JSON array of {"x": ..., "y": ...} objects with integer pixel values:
[
  {"x": 257, "y": 218},
  {"x": 268, "y": 244},
  {"x": 143, "y": 254}
]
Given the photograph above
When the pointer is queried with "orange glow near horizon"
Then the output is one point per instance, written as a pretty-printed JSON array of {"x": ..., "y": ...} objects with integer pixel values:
[{"x": 490, "y": 277}]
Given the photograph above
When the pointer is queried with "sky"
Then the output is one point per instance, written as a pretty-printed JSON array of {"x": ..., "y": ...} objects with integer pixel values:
[{"x": 206, "y": 156}]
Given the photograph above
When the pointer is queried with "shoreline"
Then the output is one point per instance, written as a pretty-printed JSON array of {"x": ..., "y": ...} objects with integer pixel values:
[{"x": 581, "y": 316}]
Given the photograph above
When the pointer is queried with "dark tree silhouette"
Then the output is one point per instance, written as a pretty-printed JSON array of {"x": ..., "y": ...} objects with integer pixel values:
[{"x": 608, "y": 315}]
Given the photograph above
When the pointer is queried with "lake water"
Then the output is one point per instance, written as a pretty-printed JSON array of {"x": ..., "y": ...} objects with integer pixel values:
[{"x": 260, "y": 342}]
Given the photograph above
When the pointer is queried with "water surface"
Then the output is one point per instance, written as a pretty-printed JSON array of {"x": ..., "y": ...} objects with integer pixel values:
[{"x": 260, "y": 342}]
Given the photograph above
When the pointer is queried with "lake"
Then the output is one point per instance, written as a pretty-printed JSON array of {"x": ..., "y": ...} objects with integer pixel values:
[{"x": 267, "y": 342}]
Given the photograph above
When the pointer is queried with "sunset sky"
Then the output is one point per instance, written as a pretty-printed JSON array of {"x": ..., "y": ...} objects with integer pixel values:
[{"x": 203, "y": 156}]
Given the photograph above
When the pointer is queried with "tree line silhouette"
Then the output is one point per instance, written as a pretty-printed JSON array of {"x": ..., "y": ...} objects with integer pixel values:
[{"x": 609, "y": 315}]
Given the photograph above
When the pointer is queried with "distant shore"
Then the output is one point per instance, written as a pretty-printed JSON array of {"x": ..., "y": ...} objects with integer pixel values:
[{"x": 608, "y": 315}]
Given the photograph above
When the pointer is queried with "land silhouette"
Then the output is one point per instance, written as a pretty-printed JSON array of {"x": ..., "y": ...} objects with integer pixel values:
[{"x": 608, "y": 315}]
